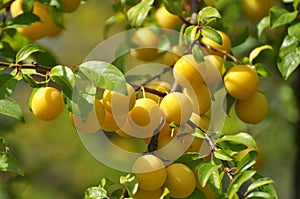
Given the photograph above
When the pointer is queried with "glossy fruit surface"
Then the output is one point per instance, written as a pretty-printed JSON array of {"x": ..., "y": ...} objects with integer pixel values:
[
  {"x": 150, "y": 172},
  {"x": 241, "y": 82},
  {"x": 119, "y": 103},
  {"x": 252, "y": 110},
  {"x": 181, "y": 181},
  {"x": 47, "y": 103},
  {"x": 186, "y": 71},
  {"x": 165, "y": 19},
  {"x": 226, "y": 43},
  {"x": 38, "y": 29},
  {"x": 176, "y": 107}
]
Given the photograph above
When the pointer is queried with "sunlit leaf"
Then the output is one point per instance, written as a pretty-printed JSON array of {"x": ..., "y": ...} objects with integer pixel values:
[
  {"x": 255, "y": 52},
  {"x": 242, "y": 138},
  {"x": 7, "y": 85},
  {"x": 207, "y": 15},
  {"x": 289, "y": 56},
  {"x": 64, "y": 77},
  {"x": 258, "y": 183},
  {"x": 191, "y": 159},
  {"x": 104, "y": 75},
  {"x": 10, "y": 107},
  {"x": 173, "y": 6},
  {"x": 280, "y": 16},
  {"x": 9, "y": 163},
  {"x": 131, "y": 184},
  {"x": 258, "y": 194},
  {"x": 95, "y": 193},
  {"x": 138, "y": 13},
  {"x": 205, "y": 170},
  {"x": 262, "y": 25},
  {"x": 238, "y": 181},
  {"x": 26, "y": 51},
  {"x": 220, "y": 154},
  {"x": 294, "y": 30},
  {"x": 212, "y": 34}
]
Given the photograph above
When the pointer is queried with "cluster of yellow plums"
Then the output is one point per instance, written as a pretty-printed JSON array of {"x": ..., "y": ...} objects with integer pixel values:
[
  {"x": 46, "y": 27},
  {"x": 153, "y": 176}
]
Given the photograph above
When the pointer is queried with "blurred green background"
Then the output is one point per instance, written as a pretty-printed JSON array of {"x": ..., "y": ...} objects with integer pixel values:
[{"x": 56, "y": 163}]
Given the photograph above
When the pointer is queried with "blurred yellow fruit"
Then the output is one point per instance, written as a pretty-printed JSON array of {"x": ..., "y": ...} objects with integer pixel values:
[
  {"x": 257, "y": 9},
  {"x": 69, "y": 6},
  {"x": 38, "y": 29},
  {"x": 167, "y": 20}
]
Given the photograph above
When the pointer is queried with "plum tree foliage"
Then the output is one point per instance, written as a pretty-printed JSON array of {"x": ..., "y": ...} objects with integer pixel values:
[{"x": 183, "y": 157}]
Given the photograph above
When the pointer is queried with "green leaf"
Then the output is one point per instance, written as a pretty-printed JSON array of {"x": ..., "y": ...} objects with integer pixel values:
[
  {"x": 28, "y": 78},
  {"x": 63, "y": 76},
  {"x": 221, "y": 155},
  {"x": 23, "y": 20},
  {"x": 262, "y": 25},
  {"x": 56, "y": 14},
  {"x": 242, "y": 138},
  {"x": 238, "y": 181},
  {"x": 289, "y": 56},
  {"x": 256, "y": 51},
  {"x": 26, "y": 51},
  {"x": 138, "y": 13},
  {"x": 208, "y": 15},
  {"x": 95, "y": 193},
  {"x": 241, "y": 37},
  {"x": 7, "y": 85},
  {"x": 130, "y": 183},
  {"x": 294, "y": 30},
  {"x": 190, "y": 34},
  {"x": 229, "y": 103},
  {"x": 212, "y": 34},
  {"x": 27, "y": 6},
  {"x": 11, "y": 108},
  {"x": 6, "y": 50},
  {"x": 280, "y": 16},
  {"x": 269, "y": 188},
  {"x": 205, "y": 171},
  {"x": 104, "y": 75},
  {"x": 296, "y": 4},
  {"x": 173, "y": 6},
  {"x": 262, "y": 70},
  {"x": 9, "y": 163},
  {"x": 199, "y": 134},
  {"x": 258, "y": 183},
  {"x": 191, "y": 159},
  {"x": 258, "y": 194},
  {"x": 231, "y": 148},
  {"x": 197, "y": 53},
  {"x": 247, "y": 161},
  {"x": 117, "y": 18}
]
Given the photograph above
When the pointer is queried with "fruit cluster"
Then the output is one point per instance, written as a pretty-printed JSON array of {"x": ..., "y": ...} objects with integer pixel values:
[
  {"x": 153, "y": 175},
  {"x": 46, "y": 27}
]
